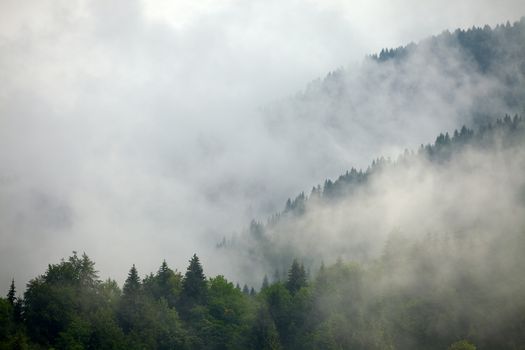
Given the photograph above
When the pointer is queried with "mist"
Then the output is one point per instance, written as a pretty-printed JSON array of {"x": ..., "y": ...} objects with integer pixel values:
[
  {"x": 137, "y": 131},
  {"x": 476, "y": 195}
]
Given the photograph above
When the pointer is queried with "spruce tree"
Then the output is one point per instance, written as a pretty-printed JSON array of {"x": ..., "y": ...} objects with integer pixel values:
[
  {"x": 163, "y": 277},
  {"x": 296, "y": 277},
  {"x": 166, "y": 284},
  {"x": 88, "y": 275},
  {"x": 164, "y": 272},
  {"x": 132, "y": 284},
  {"x": 11, "y": 294},
  {"x": 131, "y": 307},
  {"x": 194, "y": 286}
]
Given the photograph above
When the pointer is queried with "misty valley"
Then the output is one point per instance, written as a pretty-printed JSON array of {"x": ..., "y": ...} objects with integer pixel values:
[{"x": 422, "y": 248}]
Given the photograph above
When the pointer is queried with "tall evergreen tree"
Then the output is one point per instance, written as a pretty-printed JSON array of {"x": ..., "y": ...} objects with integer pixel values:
[
  {"x": 194, "y": 286},
  {"x": 164, "y": 284},
  {"x": 296, "y": 277},
  {"x": 132, "y": 284},
  {"x": 164, "y": 273},
  {"x": 11, "y": 294},
  {"x": 88, "y": 275},
  {"x": 131, "y": 306},
  {"x": 163, "y": 278}
]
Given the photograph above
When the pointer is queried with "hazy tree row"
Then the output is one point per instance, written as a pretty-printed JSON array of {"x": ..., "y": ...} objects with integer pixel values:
[
  {"x": 419, "y": 294},
  {"x": 269, "y": 242}
]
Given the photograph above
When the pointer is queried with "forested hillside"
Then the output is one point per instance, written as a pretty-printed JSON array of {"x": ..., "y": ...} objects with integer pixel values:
[
  {"x": 465, "y": 77},
  {"x": 403, "y": 97},
  {"x": 461, "y": 289},
  {"x": 466, "y": 183},
  {"x": 421, "y": 250}
]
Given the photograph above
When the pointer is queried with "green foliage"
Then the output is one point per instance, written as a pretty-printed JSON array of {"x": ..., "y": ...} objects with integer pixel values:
[
  {"x": 54, "y": 301},
  {"x": 264, "y": 335},
  {"x": 344, "y": 306},
  {"x": 228, "y": 316},
  {"x": 296, "y": 277},
  {"x": 6, "y": 319},
  {"x": 11, "y": 295},
  {"x": 132, "y": 286},
  {"x": 165, "y": 284},
  {"x": 418, "y": 294},
  {"x": 462, "y": 345},
  {"x": 194, "y": 285},
  {"x": 146, "y": 320}
]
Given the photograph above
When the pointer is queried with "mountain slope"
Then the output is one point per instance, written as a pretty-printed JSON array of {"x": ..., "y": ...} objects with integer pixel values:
[
  {"x": 402, "y": 98},
  {"x": 469, "y": 183}
]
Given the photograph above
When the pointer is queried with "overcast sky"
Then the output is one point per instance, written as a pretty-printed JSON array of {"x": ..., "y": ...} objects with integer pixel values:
[{"x": 131, "y": 129}]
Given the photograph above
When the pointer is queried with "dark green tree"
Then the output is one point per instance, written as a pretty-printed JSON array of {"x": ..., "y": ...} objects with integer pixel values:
[
  {"x": 11, "y": 298},
  {"x": 132, "y": 284},
  {"x": 264, "y": 335},
  {"x": 18, "y": 310},
  {"x": 194, "y": 286},
  {"x": 226, "y": 322},
  {"x": 58, "y": 305},
  {"x": 462, "y": 345},
  {"x": 164, "y": 284},
  {"x": 131, "y": 305},
  {"x": 87, "y": 274},
  {"x": 296, "y": 277}
]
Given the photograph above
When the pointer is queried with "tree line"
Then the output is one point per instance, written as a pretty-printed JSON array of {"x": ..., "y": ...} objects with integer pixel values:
[{"x": 346, "y": 305}]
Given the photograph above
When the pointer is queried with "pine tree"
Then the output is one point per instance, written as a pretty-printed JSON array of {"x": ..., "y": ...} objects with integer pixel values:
[
  {"x": 194, "y": 286},
  {"x": 163, "y": 277},
  {"x": 166, "y": 284},
  {"x": 296, "y": 277},
  {"x": 11, "y": 294},
  {"x": 132, "y": 284},
  {"x": 131, "y": 306},
  {"x": 252, "y": 292},
  {"x": 88, "y": 274},
  {"x": 245, "y": 290}
]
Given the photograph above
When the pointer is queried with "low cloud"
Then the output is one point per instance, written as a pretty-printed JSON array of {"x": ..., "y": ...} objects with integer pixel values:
[{"x": 133, "y": 131}]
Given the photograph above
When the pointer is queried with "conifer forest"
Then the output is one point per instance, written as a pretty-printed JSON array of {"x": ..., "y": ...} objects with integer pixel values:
[{"x": 173, "y": 176}]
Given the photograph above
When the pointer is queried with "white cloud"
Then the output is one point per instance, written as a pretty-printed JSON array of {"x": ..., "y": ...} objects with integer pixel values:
[{"x": 136, "y": 124}]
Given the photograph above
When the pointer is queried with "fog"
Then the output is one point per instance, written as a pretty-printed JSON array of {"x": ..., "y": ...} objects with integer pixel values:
[
  {"x": 138, "y": 131},
  {"x": 458, "y": 207}
]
